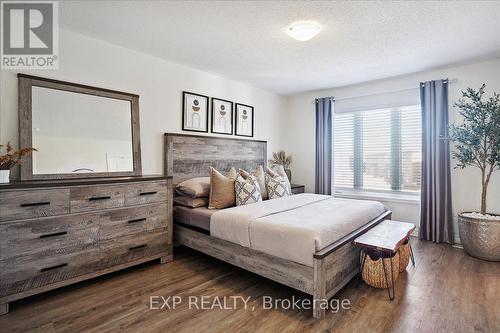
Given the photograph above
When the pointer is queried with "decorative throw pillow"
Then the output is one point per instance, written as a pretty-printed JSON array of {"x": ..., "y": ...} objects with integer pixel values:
[
  {"x": 247, "y": 190},
  {"x": 271, "y": 172},
  {"x": 184, "y": 200},
  {"x": 277, "y": 187},
  {"x": 280, "y": 171},
  {"x": 194, "y": 187},
  {"x": 261, "y": 179},
  {"x": 222, "y": 193}
]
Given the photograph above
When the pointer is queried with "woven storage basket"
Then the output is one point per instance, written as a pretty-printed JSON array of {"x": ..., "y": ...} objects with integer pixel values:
[
  {"x": 404, "y": 256},
  {"x": 373, "y": 271}
]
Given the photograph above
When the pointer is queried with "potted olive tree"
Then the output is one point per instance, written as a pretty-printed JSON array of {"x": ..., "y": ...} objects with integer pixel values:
[{"x": 477, "y": 144}]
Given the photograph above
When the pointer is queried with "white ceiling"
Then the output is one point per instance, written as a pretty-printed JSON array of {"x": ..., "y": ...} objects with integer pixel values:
[{"x": 245, "y": 40}]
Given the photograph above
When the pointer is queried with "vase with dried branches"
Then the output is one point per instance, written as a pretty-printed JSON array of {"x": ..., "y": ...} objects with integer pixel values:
[
  {"x": 11, "y": 158},
  {"x": 281, "y": 158}
]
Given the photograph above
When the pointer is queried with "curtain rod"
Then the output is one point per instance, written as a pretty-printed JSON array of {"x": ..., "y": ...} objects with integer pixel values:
[{"x": 385, "y": 92}]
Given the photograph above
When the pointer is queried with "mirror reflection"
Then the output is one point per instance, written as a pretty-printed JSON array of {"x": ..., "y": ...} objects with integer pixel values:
[{"x": 80, "y": 133}]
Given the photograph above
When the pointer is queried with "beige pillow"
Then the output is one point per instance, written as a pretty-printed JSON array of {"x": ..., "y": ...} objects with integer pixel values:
[
  {"x": 280, "y": 171},
  {"x": 222, "y": 193},
  {"x": 261, "y": 179},
  {"x": 194, "y": 187},
  {"x": 184, "y": 200}
]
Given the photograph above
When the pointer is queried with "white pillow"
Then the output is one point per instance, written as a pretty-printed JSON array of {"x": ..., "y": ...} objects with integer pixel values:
[
  {"x": 277, "y": 187},
  {"x": 247, "y": 190},
  {"x": 279, "y": 171}
]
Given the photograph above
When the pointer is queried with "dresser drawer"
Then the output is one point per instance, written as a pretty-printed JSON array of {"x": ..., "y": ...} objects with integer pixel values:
[
  {"x": 134, "y": 247},
  {"x": 147, "y": 192},
  {"x": 31, "y": 272},
  {"x": 133, "y": 220},
  {"x": 16, "y": 205},
  {"x": 48, "y": 236},
  {"x": 90, "y": 198}
]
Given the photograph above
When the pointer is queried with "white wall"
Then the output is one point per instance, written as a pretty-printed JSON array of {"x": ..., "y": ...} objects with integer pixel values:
[
  {"x": 466, "y": 186},
  {"x": 158, "y": 82}
]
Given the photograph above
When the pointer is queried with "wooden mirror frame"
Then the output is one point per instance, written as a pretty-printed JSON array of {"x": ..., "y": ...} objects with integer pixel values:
[{"x": 27, "y": 82}]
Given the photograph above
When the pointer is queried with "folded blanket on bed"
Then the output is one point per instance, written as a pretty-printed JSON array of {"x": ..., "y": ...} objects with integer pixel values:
[{"x": 294, "y": 227}]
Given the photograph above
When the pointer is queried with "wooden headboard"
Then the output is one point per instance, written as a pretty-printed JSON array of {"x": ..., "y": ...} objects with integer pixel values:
[{"x": 188, "y": 156}]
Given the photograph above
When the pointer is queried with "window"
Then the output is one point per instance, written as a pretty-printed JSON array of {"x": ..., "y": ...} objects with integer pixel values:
[{"x": 378, "y": 150}]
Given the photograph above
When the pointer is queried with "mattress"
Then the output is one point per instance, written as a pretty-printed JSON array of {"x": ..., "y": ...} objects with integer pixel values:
[
  {"x": 195, "y": 217},
  {"x": 295, "y": 227}
]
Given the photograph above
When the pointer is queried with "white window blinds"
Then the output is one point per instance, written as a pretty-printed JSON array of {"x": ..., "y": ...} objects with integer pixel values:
[{"x": 378, "y": 150}]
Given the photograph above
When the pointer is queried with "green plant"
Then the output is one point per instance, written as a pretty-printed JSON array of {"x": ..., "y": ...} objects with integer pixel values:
[
  {"x": 11, "y": 158},
  {"x": 280, "y": 158},
  {"x": 477, "y": 138}
]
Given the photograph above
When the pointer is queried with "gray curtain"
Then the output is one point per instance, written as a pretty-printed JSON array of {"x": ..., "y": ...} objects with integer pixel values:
[
  {"x": 436, "y": 220},
  {"x": 324, "y": 114}
]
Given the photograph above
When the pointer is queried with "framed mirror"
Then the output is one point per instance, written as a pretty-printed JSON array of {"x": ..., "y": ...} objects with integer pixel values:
[{"x": 79, "y": 131}]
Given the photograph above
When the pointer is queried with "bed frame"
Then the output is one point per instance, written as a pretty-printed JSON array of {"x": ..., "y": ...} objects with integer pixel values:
[{"x": 188, "y": 156}]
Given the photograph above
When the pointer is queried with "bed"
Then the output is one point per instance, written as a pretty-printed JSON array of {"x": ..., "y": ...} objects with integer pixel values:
[{"x": 289, "y": 240}]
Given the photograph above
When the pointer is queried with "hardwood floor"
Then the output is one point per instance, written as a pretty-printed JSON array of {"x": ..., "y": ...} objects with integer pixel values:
[{"x": 447, "y": 291}]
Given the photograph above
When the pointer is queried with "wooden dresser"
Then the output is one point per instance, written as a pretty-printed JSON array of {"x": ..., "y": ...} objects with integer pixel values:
[{"x": 54, "y": 233}]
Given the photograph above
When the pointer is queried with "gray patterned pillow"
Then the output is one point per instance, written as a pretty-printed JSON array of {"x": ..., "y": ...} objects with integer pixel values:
[
  {"x": 277, "y": 187},
  {"x": 247, "y": 190},
  {"x": 260, "y": 175},
  {"x": 280, "y": 171}
]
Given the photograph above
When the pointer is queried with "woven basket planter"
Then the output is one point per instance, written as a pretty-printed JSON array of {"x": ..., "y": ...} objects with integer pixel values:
[
  {"x": 373, "y": 271},
  {"x": 404, "y": 256}
]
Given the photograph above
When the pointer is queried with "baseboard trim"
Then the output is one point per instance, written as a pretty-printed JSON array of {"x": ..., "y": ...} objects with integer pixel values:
[{"x": 456, "y": 239}]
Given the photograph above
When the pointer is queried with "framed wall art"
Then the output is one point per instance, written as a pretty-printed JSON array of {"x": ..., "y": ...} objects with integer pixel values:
[
  {"x": 244, "y": 120},
  {"x": 194, "y": 112},
  {"x": 222, "y": 116}
]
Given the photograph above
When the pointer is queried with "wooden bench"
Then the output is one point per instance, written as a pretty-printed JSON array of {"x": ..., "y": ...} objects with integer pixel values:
[{"x": 385, "y": 239}]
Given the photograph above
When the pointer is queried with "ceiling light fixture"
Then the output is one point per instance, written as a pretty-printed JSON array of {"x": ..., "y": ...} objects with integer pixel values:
[{"x": 303, "y": 30}]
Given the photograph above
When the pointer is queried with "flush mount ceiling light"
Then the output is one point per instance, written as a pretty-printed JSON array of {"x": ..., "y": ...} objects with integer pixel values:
[{"x": 303, "y": 30}]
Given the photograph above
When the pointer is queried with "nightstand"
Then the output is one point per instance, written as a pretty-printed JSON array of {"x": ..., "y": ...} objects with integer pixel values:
[{"x": 296, "y": 188}]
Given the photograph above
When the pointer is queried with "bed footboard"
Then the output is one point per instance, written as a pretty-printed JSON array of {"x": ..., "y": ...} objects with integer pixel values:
[
  {"x": 336, "y": 265},
  {"x": 331, "y": 274}
]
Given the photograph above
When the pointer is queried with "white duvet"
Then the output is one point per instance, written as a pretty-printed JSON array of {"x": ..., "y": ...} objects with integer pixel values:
[{"x": 294, "y": 227}]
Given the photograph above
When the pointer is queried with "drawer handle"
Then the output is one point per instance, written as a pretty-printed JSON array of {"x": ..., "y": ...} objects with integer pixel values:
[
  {"x": 54, "y": 234},
  {"x": 148, "y": 193},
  {"x": 53, "y": 267},
  {"x": 137, "y": 247},
  {"x": 137, "y": 220},
  {"x": 43, "y": 203},
  {"x": 100, "y": 198}
]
